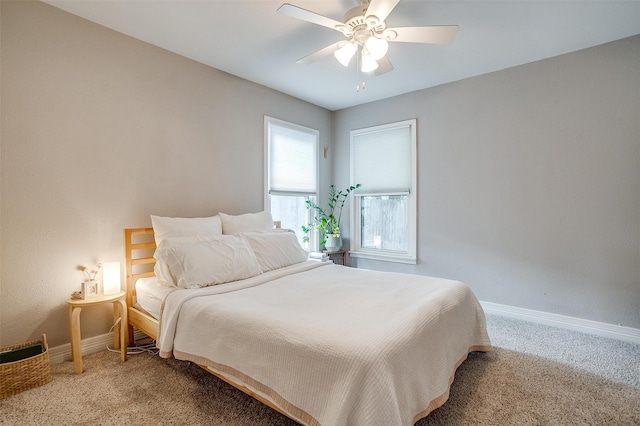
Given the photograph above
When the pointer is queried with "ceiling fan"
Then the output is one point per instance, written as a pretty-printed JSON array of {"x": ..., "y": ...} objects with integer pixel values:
[{"x": 367, "y": 34}]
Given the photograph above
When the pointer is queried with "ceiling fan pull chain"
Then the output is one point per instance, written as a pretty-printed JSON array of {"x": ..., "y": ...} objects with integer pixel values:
[
  {"x": 357, "y": 69},
  {"x": 358, "y": 58}
]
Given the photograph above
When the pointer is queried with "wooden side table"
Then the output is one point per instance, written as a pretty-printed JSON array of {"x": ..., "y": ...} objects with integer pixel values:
[
  {"x": 119, "y": 333},
  {"x": 339, "y": 257}
]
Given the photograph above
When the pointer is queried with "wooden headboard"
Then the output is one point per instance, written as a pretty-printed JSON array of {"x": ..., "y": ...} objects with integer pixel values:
[
  {"x": 132, "y": 258},
  {"x": 138, "y": 250}
]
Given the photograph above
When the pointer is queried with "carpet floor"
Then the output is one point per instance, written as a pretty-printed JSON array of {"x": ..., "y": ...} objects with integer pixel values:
[{"x": 504, "y": 387}]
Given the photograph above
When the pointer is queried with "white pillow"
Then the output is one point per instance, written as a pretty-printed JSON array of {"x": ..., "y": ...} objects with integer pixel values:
[
  {"x": 161, "y": 269},
  {"x": 168, "y": 227},
  {"x": 249, "y": 222},
  {"x": 204, "y": 263},
  {"x": 275, "y": 250}
]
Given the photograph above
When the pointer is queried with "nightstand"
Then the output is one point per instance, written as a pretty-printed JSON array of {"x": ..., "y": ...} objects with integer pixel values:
[
  {"x": 339, "y": 257},
  {"x": 119, "y": 332}
]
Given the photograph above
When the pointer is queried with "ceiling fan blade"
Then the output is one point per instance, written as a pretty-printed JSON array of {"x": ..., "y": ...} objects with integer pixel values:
[
  {"x": 381, "y": 8},
  {"x": 384, "y": 66},
  {"x": 435, "y": 34},
  {"x": 306, "y": 15},
  {"x": 320, "y": 53}
]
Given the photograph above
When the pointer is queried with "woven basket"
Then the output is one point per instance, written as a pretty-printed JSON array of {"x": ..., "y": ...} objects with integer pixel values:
[{"x": 27, "y": 373}]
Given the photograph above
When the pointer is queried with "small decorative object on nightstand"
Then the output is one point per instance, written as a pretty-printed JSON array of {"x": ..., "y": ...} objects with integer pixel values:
[
  {"x": 119, "y": 332},
  {"x": 339, "y": 257},
  {"x": 91, "y": 287},
  {"x": 321, "y": 256}
]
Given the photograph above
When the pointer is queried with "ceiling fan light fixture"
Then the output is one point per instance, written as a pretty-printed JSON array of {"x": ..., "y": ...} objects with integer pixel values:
[
  {"x": 345, "y": 53},
  {"x": 368, "y": 63},
  {"x": 367, "y": 35},
  {"x": 377, "y": 47}
]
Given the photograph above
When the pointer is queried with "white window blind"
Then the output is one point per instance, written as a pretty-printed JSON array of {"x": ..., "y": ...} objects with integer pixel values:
[
  {"x": 382, "y": 160},
  {"x": 293, "y": 159}
]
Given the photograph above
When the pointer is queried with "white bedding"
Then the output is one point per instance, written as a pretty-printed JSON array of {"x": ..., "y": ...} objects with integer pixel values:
[
  {"x": 149, "y": 295},
  {"x": 328, "y": 344}
]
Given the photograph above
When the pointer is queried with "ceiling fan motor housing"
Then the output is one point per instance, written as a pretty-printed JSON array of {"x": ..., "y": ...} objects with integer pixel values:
[{"x": 359, "y": 26}]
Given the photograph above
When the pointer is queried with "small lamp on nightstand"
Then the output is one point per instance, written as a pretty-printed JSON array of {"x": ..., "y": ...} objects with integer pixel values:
[{"x": 110, "y": 278}]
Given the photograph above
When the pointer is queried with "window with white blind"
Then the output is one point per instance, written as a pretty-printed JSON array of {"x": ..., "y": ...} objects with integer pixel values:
[
  {"x": 383, "y": 160},
  {"x": 291, "y": 157}
]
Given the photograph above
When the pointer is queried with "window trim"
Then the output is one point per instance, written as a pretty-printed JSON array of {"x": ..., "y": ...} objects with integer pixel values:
[{"x": 410, "y": 257}]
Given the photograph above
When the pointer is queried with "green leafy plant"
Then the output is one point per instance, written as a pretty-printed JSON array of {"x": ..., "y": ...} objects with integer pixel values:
[{"x": 327, "y": 221}]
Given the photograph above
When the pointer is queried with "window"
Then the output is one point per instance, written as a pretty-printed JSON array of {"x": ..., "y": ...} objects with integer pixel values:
[
  {"x": 291, "y": 156},
  {"x": 383, "y": 160}
]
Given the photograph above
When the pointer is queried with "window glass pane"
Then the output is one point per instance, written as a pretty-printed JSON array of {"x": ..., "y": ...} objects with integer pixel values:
[
  {"x": 384, "y": 221},
  {"x": 292, "y": 212}
]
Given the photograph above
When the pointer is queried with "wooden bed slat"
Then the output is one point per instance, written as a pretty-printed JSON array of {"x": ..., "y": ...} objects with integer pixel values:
[
  {"x": 143, "y": 261},
  {"x": 143, "y": 275},
  {"x": 135, "y": 231},
  {"x": 142, "y": 246}
]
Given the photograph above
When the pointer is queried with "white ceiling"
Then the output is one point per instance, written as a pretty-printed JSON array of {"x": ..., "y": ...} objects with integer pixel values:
[{"x": 249, "y": 39}]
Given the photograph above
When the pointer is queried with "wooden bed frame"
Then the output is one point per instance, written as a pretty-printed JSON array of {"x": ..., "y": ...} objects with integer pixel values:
[
  {"x": 138, "y": 243},
  {"x": 133, "y": 258}
]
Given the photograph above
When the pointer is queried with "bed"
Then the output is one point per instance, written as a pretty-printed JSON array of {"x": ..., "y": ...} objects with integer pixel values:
[{"x": 321, "y": 343}]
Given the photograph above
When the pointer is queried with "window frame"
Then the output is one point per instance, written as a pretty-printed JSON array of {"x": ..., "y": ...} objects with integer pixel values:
[
  {"x": 268, "y": 122},
  {"x": 410, "y": 257}
]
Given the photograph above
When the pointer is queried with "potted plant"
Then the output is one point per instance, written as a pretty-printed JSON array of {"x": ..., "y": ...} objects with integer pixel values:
[{"x": 327, "y": 221}]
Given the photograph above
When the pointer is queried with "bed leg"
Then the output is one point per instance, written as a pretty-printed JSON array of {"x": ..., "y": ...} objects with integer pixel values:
[{"x": 130, "y": 332}]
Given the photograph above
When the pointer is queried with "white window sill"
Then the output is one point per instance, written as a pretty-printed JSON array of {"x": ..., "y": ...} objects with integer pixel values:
[{"x": 385, "y": 257}]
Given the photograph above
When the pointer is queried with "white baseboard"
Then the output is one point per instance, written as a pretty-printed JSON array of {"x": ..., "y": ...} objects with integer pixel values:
[
  {"x": 612, "y": 331},
  {"x": 89, "y": 345}
]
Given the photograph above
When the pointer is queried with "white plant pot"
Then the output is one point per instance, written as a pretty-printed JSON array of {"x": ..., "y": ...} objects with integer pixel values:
[{"x": 333, "y": 243}]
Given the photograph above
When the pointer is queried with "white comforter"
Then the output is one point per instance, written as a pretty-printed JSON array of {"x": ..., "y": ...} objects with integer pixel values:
[{"x": 328, "y": 344}]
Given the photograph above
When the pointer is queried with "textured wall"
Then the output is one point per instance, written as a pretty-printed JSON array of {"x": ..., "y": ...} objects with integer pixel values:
[
  {"x": 528, "y": 182},
  {"x": 98, "y": 131}
]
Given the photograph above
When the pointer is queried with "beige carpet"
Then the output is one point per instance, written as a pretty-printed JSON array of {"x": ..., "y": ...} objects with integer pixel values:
[{"x": 499, "y": 388}]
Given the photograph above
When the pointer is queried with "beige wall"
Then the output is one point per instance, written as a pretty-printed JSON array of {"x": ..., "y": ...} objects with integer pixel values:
[
  {"x": 98, "y": 130},
  {"x": 529, "y": 182}
]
